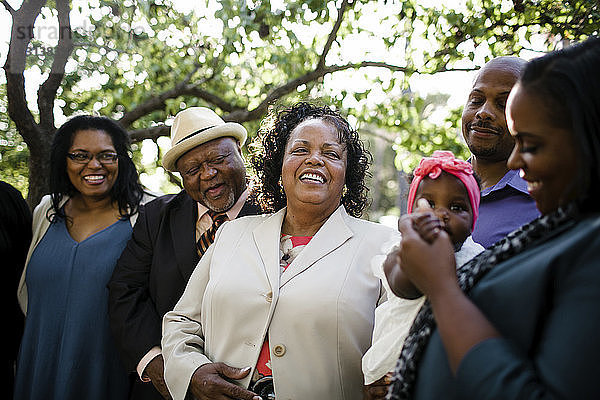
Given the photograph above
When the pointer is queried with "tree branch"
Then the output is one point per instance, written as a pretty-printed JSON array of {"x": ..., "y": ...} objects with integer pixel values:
[
  {"x": 158, "y": 102},
  {"x": 290, "y": 86},
  {"x": 47, "y": 91},
  {"x": 210, "y": 98},
  {"x": 149, "y": 133},
  {"x": 243, "y": 115},
  {"x": 8, "y": 7},
  {"x": 519, "y": 6},
  {"x": 320, "y": 70},
  {"x": 153, "y": 104},
  {"x": 21, "y": 34},
  {"x": 333, "y": 34}
]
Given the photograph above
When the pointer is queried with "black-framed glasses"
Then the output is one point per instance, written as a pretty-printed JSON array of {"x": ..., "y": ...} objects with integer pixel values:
[{"x": 83, "y": 157}]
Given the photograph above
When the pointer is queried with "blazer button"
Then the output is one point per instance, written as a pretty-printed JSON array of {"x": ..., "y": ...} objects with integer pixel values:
[
  {"x": 279, "y": 350},
  {"x": 269, "y": 297}
]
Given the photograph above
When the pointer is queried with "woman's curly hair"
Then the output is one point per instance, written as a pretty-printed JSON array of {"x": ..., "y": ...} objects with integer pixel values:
[{"x": 268, "y": 148}]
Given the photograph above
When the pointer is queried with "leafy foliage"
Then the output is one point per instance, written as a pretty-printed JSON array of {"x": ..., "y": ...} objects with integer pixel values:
[
  {"x": 143, "y": 61},
  {"x": 13, "y": 151}
]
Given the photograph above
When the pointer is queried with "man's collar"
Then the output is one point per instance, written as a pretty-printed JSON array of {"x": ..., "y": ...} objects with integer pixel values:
[{"x": 512, "y": 179}]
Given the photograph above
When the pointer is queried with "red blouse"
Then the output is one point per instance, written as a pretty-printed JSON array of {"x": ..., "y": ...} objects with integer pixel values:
[{"x": 263, "y": 365}]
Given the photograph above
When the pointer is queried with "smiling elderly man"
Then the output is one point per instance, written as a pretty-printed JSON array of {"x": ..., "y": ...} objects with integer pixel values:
[
  {"x": 505, "y": 202},
  {"x": 171, "y": 234}
]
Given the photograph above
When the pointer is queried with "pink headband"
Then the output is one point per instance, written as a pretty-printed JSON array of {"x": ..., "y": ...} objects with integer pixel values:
[{"x": 445, "y": 161}]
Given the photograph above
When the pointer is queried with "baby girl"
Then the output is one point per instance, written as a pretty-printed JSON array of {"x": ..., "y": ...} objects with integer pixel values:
[{"x": 446, "y": 194}]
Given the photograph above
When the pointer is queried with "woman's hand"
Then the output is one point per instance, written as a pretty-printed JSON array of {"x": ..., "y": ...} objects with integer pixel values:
[
  {"x": 210, "y": 382},
  {"x": 426, "y": 254},
  {"x": 378, "y": 389},
  {"x": 428, "y": 226},
  {"x": 429, "y": 266}
]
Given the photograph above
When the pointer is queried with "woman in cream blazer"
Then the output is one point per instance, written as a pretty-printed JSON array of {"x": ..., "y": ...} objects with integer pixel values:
[{"x": 316, "y": 312}]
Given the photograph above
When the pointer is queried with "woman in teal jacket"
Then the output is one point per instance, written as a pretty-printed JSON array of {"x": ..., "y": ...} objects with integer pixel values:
[{"x": 522, "y": 319}]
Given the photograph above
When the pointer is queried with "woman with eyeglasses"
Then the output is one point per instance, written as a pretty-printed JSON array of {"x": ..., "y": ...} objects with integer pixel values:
[{"x": 79, "y": 231}]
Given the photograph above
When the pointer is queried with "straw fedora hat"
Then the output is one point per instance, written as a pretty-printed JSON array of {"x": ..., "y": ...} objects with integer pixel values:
[{"x": 195, "y": 126}]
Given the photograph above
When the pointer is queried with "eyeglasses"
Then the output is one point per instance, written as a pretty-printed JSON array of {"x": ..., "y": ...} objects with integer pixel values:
[{"x": 83, "y": 157}]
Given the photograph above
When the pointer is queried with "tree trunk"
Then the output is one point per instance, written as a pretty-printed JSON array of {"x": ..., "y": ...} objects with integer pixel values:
[
  {"x": 39, "y": 170},
  {"x": 38, "y": 136},
  {"x": 403, "y": 187}
]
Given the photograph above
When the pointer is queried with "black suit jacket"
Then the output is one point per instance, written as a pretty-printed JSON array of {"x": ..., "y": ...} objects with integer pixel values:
[{"x": 152, "y": 273}]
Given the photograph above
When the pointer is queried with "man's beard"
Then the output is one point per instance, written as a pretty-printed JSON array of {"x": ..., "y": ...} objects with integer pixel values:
[
  {"x": 227, "y": 205},
  {"x": 494, "y": 153}
]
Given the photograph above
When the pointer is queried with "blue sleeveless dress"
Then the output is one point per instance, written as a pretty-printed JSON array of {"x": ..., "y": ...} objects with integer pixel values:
[{"x": 67, "y": 351}]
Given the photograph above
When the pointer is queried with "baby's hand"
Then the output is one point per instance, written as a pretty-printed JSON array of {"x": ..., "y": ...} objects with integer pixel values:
[
  {"x": 399, "y": 283},
  {"x": 426, "y": 223},
  {"x": 428, "y": 226}
]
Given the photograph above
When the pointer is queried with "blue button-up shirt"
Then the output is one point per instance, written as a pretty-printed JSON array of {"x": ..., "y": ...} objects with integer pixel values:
[{"x": 504, "y": 207}]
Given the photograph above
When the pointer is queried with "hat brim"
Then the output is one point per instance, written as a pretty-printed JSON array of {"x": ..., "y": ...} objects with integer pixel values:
[{"x": 228, "y": 129}]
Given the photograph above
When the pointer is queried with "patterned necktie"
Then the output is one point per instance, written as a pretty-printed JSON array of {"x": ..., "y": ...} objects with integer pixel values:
[{"x": 209, "y": 236}]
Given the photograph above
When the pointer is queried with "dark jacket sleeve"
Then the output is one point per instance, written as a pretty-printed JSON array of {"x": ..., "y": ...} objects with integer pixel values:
[{"x": 134, "y": 321}]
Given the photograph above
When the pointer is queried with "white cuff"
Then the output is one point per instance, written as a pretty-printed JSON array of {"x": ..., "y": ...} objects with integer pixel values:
[{"x": 141, "y": 367}]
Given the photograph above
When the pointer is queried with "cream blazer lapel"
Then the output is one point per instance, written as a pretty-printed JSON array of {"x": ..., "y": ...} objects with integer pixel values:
[
  {"x": 330, "y": 236},
  {"x": 266, "y": 237}
]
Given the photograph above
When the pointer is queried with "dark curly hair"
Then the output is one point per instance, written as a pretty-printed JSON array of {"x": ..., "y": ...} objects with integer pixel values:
[
  {"x": 127, "y": 190},
  {"x": 268, "y": 149}
]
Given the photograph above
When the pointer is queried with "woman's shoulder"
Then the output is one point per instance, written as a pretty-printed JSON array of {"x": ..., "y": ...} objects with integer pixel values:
[
  {"x": 375, "y": 235},
  {"x": 370, "y": 226},
  {"x": 586, "y": 233},
  {"x": 45, "y": 204},
  {"x": 248, "y": 220},
  {"x": 240, "y": 228},
  {"x": 590, "y": 222}
]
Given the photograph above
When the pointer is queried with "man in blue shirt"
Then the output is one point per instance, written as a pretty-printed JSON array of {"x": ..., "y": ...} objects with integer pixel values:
[{"x": 505, "y": 201}]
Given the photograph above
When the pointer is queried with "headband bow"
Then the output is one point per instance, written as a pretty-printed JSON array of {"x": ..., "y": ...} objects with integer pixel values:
[{"x": 433, "y": 166}]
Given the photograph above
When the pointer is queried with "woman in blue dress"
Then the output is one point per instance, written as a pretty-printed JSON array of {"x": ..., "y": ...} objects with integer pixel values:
[{"x": 79, "y": 231}]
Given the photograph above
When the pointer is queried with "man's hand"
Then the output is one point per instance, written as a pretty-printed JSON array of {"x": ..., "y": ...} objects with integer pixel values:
[
  {"x": 210, "y": 382},
  {"x": 156, "y": 372}
]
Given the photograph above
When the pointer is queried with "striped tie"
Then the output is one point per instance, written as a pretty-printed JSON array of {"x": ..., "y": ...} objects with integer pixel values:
[{"x": 209, "y": 236}]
